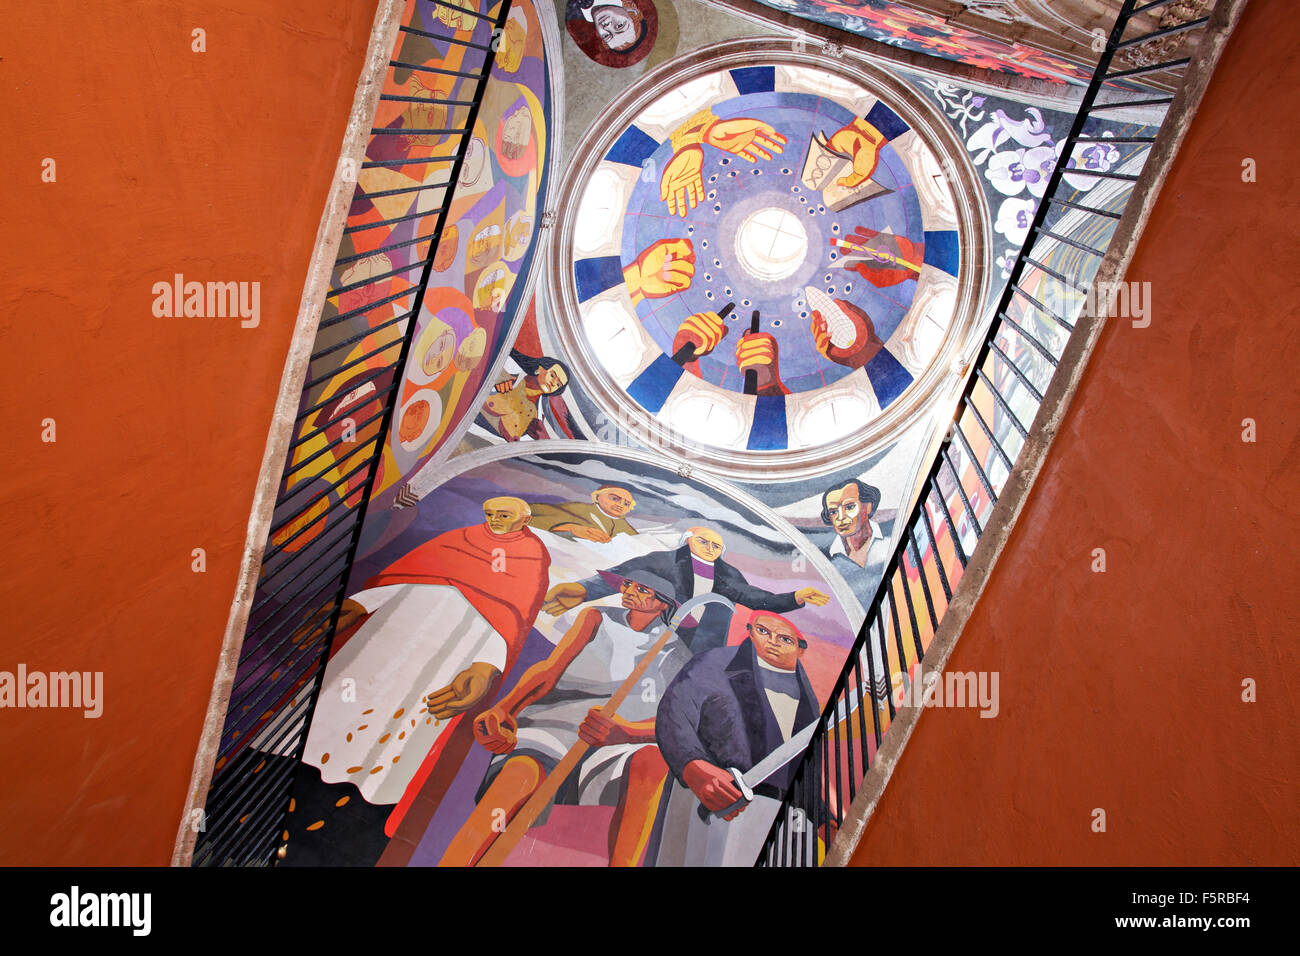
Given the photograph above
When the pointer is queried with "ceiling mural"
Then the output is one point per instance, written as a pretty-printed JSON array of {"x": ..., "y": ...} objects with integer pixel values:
[
  {"x": 530, "y": 399},
  {"x": 527, "y": 589},
  {"x": 765, "y": 258},
  {"x": 753, "y": 258},
  {"x": 477, "y": 287},
  {"x": 474, "y": 295},
  {"x": 900, "y": 25},
  {"x": 1015, "y": 149}
]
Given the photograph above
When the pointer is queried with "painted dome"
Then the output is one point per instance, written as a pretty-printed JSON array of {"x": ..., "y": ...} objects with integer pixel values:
[{"x": 764, "y": 259}]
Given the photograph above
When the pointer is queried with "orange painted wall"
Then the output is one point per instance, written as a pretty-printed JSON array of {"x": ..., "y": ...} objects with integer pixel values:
[
  {"x": 1123, "y": 690},
  {"x": 215, "y": 165}
]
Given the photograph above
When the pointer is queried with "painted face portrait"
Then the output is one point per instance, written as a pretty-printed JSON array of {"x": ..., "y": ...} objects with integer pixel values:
[
  {"x": 506, "y": 515},
  {"x": 615, "y": 502},
  {"x": 638, "y": 597},
  {"x": 552, "y": 379},
  {"x": 705, "y": 544},
  {"x": 776, "y": 641},
  {"x": 617, "y": 27},
  {"x": 485, "y": 246},
  {"x": 846, "y": 510},
  {"x": 447, "y": 249},
  {"x": 516, "y": 132},
  {"x": 616, "y": 33}
]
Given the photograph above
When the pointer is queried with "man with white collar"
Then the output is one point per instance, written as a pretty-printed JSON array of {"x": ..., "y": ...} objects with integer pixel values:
[
  {"x": 695, "y": 568},
  {"x": 598, "y": 520},
  {"x": 619, "y": 25},
  {"x": 730, "y": 708},
  {"x": 848, "y": 509}
]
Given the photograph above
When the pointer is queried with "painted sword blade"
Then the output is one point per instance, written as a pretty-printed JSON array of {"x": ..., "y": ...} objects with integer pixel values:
[{"x": 779, "y": 757}]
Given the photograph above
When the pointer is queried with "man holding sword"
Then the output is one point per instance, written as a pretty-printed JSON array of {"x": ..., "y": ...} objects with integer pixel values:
[{"x": 731, "y": 728}]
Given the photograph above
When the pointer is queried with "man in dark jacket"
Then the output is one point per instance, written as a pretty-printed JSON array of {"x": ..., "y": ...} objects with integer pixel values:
[
  {"x": 730, "y": 708},
  {"x": 695, "y": 568}
]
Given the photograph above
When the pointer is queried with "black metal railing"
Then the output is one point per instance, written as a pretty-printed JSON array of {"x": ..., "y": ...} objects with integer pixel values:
[
  {"x": 1050, "y": 283},
  {"x": 345, "y": 415}
]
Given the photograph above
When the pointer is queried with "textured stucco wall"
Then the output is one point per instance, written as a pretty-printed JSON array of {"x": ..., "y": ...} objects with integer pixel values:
[{"x": 211, "y": 164}]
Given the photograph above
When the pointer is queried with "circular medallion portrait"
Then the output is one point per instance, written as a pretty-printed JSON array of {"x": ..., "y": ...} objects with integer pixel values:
[{"x": 614, "y": 33}]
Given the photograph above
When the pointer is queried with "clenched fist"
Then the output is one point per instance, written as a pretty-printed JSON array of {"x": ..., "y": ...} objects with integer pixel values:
[
  {"x": 704, "y": 330},
  {"x": 496, "y": 730},
  {"x": 758, "y": 351},
  {"x": 666, "y": 267},
  {"x": 714, "y": 787}
]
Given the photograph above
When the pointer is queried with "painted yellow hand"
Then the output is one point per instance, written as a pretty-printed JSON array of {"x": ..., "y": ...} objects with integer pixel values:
[
  {"x": 666, "y": 267},
  {"x": 704, "y": 330},
  {"x": 682, "y": 184},
  {"x": 862, "y": 141},
  {"x": 749, "y": 139}
]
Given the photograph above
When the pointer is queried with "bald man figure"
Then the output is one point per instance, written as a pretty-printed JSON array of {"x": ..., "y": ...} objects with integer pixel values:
[
  {"x": 422, "y": 644},
  {"x": 695, "y": 568}
]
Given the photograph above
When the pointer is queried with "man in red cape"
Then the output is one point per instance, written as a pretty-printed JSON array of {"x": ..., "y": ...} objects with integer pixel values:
[{"x": 501, "y": 568}]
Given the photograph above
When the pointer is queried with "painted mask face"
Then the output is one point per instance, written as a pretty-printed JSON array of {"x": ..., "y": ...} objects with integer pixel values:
[
  {"x": 511, "y": 55},
  {"x": 490, "y": 292},
  {"x": 454, "y": 19},
  {"x": 504, "y": 515},
  {"x": 515, "y": 132},
  {"x": 485, "y": 245},
  {"x": 617, "y": 30},
  {"x": 447, "y": 248},
  {"x": 438, "y": 355},
  {"x": 775, "y": 641},
  {"x": 518, "y": 231},
  {"x": 471, "y": 350},
  {"x": 475, "y": 164}
]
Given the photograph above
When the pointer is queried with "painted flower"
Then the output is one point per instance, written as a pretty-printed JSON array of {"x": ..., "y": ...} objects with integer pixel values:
[
  {"x": 1002, "y": 131},
  {"x": 1005, "y": 262},
  {"x": 1098, "y": 156},
  {"x": 1014, "y": 217},
  {"x": 1015, "y": 170}
]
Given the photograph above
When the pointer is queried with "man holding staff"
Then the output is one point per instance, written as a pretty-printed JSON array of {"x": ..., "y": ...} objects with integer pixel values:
[{"x": 563, "y": 703}]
